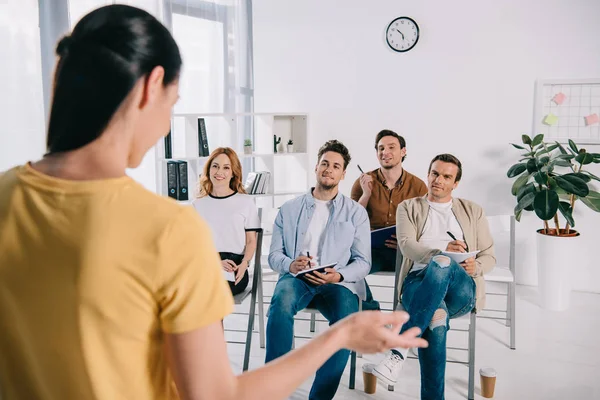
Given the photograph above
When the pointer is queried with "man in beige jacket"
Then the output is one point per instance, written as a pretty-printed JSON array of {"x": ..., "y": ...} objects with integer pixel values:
[{"x": 434, "y": 288}]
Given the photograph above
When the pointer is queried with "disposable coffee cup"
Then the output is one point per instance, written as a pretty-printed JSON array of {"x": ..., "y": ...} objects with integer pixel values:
[
  {"x": 369, "y": 380},
  {"x": 488, "y": 381}
]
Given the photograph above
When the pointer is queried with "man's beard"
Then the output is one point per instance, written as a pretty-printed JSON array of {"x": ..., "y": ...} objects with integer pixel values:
[
  {"x": 326, "y": 187},
  {"x": 389, "y": 166}
]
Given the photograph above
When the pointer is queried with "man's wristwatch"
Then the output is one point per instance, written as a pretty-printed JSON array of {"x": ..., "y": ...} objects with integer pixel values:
[{"x": 341, "y": 277}]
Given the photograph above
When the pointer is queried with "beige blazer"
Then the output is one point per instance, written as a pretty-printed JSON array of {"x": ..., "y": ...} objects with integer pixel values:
[{"x": 410, "y": 222}]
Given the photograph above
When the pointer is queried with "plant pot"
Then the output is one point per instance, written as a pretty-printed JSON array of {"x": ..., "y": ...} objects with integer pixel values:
[
  {"x": 556, "y": 260},
  {"x": 247, "y": 149},
  {"x": 290, "y": 148}
]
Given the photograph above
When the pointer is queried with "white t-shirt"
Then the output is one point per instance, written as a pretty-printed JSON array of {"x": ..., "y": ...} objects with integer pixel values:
[
  {"x": 229, "y": 218},
  {"x": 440, "y": 220},
  {"x": 315, "y": 235}
]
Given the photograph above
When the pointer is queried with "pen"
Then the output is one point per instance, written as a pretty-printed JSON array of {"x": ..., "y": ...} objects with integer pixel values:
[
  {"x": 360, "y": 169},
  {"x": 454, "y": 238}
]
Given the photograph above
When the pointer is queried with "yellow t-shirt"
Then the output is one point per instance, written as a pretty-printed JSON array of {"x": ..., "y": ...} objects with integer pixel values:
[{"x": 91, "y": 275}]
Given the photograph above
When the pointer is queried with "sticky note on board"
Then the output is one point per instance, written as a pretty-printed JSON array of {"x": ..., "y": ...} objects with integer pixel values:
[
  {"x": 559, "y": 98},
  {"x": 550, "y": 119},
  {"x": 592, "y": 119}
]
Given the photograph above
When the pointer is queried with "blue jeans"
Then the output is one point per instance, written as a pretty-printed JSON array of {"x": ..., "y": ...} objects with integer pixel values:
[
  {"x": 443, "y": 286},
  {"x": 291, "y": 295}
]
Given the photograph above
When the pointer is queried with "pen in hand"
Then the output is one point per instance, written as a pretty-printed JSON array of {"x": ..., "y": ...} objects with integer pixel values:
[
  {"x": 360, "y": 169},
  {"x": 454, "y": 238}
]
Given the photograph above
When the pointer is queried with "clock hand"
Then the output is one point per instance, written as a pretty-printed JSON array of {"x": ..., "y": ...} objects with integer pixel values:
[{"x": 400, "y": 33}]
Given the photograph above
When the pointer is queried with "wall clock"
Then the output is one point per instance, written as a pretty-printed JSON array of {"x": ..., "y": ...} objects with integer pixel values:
[{"x": 402, "y": 34}]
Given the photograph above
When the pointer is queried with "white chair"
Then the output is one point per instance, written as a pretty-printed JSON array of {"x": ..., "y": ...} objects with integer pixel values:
[
  {"x": 502, "y": 228},
  {"x": 255, "y": 291}
]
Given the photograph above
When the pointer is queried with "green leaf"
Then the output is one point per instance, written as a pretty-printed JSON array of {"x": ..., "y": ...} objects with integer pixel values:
[
  {"x": 516, "y": 170},
  {"x": 591, "y": 175},
  {"x": 582, "y": 176},
  {"x": 584, "y": 158},
  {"x": 537, "y": 139},
  {"x": 518, "y": 215},
  {"x": 526, "y": 139},
  {"x": 542, "y": 161},
  {"x": 571, "y": 183},
  {"x": 541, "y": 178},
  {"x": 566, "y": 211},
  {"x": 521, "y": 181},
  {"x": 532, "y": 166},
  {"x": 573, "y": 146},
  {"x": 592, "y": 200},
  {"x": 562, "y": 163},
  {"x": 545, "y": 204},
  {"x": 565, "y": 156},
  {"x": 547, "y": 149},
  {"x": 561, "y": 148},
  {"x": 518, "y": 147},
  {"x": 529, "y": 188},
  {"x": 526, "y": 201}
]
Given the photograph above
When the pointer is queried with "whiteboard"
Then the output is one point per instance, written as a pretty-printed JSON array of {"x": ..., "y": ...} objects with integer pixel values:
[{"x": 568, "y": 109}]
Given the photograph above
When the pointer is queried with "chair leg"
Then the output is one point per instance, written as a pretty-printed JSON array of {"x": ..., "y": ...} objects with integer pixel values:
[
  {"x": 472, "y": 331},
  {"x": 261, "y": 314},
  {"x": 508, "y": 304},
  {"x": 352, "y": 382},
  {"x": 512, "y": 289},
  {"x": 256, "y": 284},
  {"x": 313, "y": 319}
]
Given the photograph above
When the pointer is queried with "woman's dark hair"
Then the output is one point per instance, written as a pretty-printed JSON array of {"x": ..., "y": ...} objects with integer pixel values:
[
  {"x": 337, "y": 147},
  {"x": 109, "y": 50}
]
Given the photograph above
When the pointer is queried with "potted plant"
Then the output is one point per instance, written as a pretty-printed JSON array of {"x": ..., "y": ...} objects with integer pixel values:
[
  {"x": 290, "y": 146},
  {"x": 550, "y": 179},
  {"x": 247, "y": 146}
]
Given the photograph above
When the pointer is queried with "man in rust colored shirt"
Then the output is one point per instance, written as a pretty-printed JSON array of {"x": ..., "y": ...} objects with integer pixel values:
[{"x": 380, "y": 191}]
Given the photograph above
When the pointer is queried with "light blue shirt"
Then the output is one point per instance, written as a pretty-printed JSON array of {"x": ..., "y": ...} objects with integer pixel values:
[{"x": 347, "y": 239}]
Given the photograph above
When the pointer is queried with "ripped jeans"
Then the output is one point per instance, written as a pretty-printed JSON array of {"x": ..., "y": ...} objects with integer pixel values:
[{"x": 443, "y": 285}]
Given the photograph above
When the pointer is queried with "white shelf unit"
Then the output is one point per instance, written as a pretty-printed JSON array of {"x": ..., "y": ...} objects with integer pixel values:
[{"x": 290, "y": 172}]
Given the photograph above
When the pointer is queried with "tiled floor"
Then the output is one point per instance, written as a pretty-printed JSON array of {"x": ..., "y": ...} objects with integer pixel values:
[{"x": 557, "y": 355}]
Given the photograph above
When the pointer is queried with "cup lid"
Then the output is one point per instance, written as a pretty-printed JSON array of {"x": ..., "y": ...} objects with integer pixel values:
[
  {"x": 368, "y": 368},
  {"x": 488, "y": 372}
]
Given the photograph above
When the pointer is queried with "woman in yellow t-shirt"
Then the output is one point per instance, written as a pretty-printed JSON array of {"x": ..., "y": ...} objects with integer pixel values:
[{"x": 108, "y": 291}]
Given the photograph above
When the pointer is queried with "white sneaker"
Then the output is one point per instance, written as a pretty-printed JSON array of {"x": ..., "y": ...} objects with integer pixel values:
[{"x": 389, "y": 369}]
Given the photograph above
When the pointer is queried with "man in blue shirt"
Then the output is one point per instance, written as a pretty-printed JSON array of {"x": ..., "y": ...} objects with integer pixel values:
[{"x": 319, "y": 228}]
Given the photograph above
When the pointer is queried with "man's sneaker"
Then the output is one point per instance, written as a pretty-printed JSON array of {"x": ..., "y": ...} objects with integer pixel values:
[{"x": 389, "y": 369}]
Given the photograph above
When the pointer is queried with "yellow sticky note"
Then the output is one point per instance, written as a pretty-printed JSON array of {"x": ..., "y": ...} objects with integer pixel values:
[{"x": 550, "y": 119}]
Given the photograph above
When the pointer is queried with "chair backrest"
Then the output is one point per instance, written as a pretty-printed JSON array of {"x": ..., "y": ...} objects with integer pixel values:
[{"x": 502, "y": 228}]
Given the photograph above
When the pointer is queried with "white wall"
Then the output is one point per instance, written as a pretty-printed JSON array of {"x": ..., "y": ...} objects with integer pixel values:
[
  {"x": 466, "y": 88},
  {"x": 22, "y": 136}
]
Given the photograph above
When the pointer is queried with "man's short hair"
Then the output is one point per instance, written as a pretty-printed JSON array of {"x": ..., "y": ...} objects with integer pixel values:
[
  {"x": 449, "y": 158},
  {"x": 337, "y": 147},
  {"x": 387, "y": 132}
]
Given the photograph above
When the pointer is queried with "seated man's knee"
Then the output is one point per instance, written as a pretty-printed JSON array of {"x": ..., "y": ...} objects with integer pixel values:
[
  {"x": 440, "y": 318},
  {"x": 442, "y": 261},
  {"x": 283, "y": 301}
]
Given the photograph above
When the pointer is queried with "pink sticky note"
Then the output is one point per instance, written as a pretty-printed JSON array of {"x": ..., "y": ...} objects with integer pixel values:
[
  {"x": 559, "y": 98},
  {"x": 592, "y": 119}
]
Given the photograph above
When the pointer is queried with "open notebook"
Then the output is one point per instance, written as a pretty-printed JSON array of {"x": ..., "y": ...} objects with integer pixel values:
[{"x": 318, "y": 268}]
